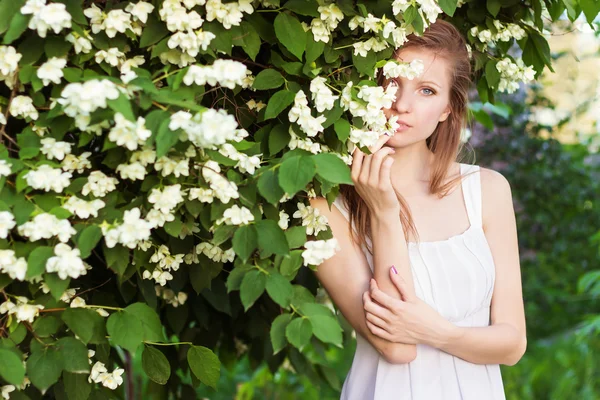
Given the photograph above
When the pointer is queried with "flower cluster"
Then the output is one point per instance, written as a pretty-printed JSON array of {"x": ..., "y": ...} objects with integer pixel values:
[
  {"x": 82, "y": 208},
  {"x": 46, "y": 16},
  {"x": 311, "y": 218},
  {"x": 164, "y": 202},
  {"x": 128, "y": 133},
  {"x": 428, "y": 9},
  {"x": 245, "y": 164},
  {"x": 215, "y": 253},
  {"x": 14, "y": 267},
  {"x": 318, "y": 251},
  {"x": 9, "y": 62},
  {"x": 46, "y": 226},
  {"x": 79, "y": 100},
  {"x": 227, "y": 73},
  {"x": 301, "y": 114},
  {"x": 170, "y": 297},
  {"x": 22, "y": 106},
  {"x": 166, "y": 263},
  {"x": 329, "y": 18},
  {"x": 236, "y": 215},
  {"x": 222, "y": 188},
  {"x": 512, "y": 73},
  {"x": 66, "y": 263},
  {"x": 47, "y": 178},
  {"x": 100, "y": 374},
  {"x": 130, "y": 233},
  {"x": 504, "y": 33},
  {"x": 410, "y": 71},
  {"x": 22, "y": 310}
]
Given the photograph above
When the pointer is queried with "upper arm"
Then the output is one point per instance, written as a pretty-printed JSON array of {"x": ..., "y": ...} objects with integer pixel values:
[
  {"x": 500, "y": 228},
  {"x": 346, "y": 276}
]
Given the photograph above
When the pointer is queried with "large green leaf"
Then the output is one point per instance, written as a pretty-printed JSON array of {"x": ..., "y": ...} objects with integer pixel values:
[
  {"x": 279, "y": 102},
  {"x": 87, "y": 324},
  {"x": 153, "y": 32},
  {"x": 125, "y": 330},
  {"x": 271, "y": 238},
  {"x": 295, "y": 173},
  {"x": 74, "y": 354},
  {"x": 448, "y": 6},
  {"x": 8, "y": 9},
  {"x": 250, "y": 41},
  {"x": 327, "y": 329},
  {"x": 298, "y": 332},
  {"x": 268, "y": 186},
  {"x": 268, "y": 79},
  {"x": 591, "y": 9},
  {"x": 245, "y": 241},
  {"x": 280, "y": 289},
  {"x": 277, "y": 333},
  {"x": 11, "y": 367},
  {"x": 205, "y": 365},
  {"x": 331, "y": 167},
  {"x": 253, "y": 285},
  {"x": 156, "y": 365},
  {"x": 153, "y": 329},
  {"x": 290, "y": 33},
  {"x": 44, "y": 367},
  {"x": 36, "y": 262},
  {"x": 76, "y": 386},
  {"x": 88, "y": 239}
]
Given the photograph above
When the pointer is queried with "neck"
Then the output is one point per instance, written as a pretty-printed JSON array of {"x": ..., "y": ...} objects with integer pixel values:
[{"x": 412, "y": 166}]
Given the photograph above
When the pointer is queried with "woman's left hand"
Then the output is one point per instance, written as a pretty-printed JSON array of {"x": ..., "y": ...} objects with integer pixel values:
[{"x": 407, "y": 320}]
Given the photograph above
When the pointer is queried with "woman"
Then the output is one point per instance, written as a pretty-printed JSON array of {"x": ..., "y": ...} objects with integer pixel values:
[{"x": 435, "y": 317}]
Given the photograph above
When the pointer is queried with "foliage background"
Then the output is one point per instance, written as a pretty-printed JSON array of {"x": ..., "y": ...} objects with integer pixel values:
[{"x": 224, "y": 332}]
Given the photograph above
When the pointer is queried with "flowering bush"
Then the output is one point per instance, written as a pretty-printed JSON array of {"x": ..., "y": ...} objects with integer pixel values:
[{"x": 157, "y": 158}]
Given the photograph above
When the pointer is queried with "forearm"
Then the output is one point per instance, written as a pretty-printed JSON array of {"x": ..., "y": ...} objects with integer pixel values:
[
  {"x": 494, "y": 344},
  {"x": 390, "y": 248}
]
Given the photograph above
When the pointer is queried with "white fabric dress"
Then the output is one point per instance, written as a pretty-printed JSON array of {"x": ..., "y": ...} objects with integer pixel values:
[{"x": 456, "y": 277}]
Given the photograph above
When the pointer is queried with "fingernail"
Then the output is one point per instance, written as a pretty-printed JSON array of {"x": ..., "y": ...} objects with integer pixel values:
[{"x": 394, "y": 270}]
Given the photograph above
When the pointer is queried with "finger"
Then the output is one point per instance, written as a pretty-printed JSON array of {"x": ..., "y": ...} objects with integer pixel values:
[
  {"x": 357, "y": 160},
  {"x": 375, "y": 320},
  {"x": 402, "y": 286},
  {"x": 365, "y": 168},
  {"x": 376, "y": 309},
  {"x": 379, "y": 332},
  {"x": 386, "y": 301},
  {"x": 375, "y": 167},
  {"x": 379, "y": 144},
  {"x": 385, "y": 172}
]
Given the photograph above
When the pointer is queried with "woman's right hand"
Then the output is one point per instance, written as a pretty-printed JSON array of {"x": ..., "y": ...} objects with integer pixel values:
[{"x": 371, "y": 174}]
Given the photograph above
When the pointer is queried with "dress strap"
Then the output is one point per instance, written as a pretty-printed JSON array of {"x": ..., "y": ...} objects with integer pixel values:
[
  {"x": 471, "y": 187},
  {"x": 339, "y": 202}
]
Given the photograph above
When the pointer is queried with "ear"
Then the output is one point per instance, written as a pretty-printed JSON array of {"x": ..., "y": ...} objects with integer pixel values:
[{"x": 444, "y": 115}]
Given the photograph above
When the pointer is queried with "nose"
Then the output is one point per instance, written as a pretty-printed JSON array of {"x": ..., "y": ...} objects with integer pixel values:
[{"x": 403, "y": 103}]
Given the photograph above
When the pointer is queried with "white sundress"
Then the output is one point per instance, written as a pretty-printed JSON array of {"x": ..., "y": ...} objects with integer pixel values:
[{"x": 456, "y": 277}]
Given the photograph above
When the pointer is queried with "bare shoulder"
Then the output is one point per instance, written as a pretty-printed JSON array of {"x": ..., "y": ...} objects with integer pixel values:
[{"x": 496, "y": 195}]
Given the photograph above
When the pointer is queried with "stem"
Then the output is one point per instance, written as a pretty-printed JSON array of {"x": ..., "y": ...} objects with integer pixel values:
[
  {"x": 167, "y": 344},
  {"x": 166, "y": 75}
]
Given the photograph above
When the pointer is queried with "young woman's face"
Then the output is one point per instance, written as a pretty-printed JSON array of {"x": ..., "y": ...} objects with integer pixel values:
[{"x": 420, "y": 103}]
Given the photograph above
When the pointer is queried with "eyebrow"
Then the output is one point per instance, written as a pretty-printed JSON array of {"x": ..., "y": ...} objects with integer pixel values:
[{"x": 435, "y": 84}]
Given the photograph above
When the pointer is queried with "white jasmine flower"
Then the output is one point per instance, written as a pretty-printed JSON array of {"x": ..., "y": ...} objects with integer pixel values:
[
  {"x": 73, "y": 163},
  {"x": 7, "y": 222},
  {"x": 52, "y": 16},
  {"x": 78, "y": 302},
  {"x": 97, "y": 370},
  {"x": 5, "y": 168},
  {"x": 132, "y": 171},
  {"x": 23, "y": 106},
  {"x": 318, "y": 251},
  {"x": 167, "y": 199},
  {"x": 127, "y": 133},
  {"x": 204, "y": 195},
  {"x": 99, "y": 184},
  {"x": 53, "y": 149},
  {"x": 47, "y": 178},
  {"x": 84, "y": 98},
  {"x": 46, "y": 226},
  {"x": 51, "y": 70},
  {"x": 5, "y": 390},
  {"x": 14, "y": 267},
  {"x": 236, "y": 215},
  {"x": 83, "y": 209},
  {"x": 80, "y": 43},
  {"x": 311, "y": 218},
  {"x": 284, "y": 220},
  {"x": 140, "y": 10},
  {"x": 9, "y": 61}
]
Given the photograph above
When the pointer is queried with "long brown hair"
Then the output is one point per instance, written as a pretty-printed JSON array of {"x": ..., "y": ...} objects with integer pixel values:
[{"x": 445, "y": 41}]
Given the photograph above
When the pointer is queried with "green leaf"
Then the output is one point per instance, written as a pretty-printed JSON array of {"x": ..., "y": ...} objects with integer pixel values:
[
  {"x": 303, "y": 7},
  {"x": 365, "y": 65},
  {"x": 492, "y": 74},
  {"x": 573, "y": 9},
  {"x": 74, "y": 7},
  {"x": 117, "y": 258},
  {"x": 46, "y": 325},
  {"x": 165, "y": 139},
  {"x": 122, "y": 105},
  {"x": 342, "y": 129},
  {"x": 57, "y": 286},
  {"x": 295, "y": 173},
  {"x": 8, "y": 9},
  {"x": 56, "y": 46},
  {"x": 278, "y": 102},
  {"x": 331, "y": 167},
  {"x": 125, "y": 330},
  {"x": 277, "y": 332},
  {"x": 88, "y": 239},
  {"x": 280, "y": 289},
  {"x": 253, "y": 285},
  {"x": 327, "y": 329},
  {"x": 298, "y": 332},
  {"x": 36, "y": 262},
  {"x": 11, "y": 367},
  {"x": 87, "y": 324},
  {"x": 153, "y": 32},
  {"x": 44, "y": 367},
  {"x": 289, "y": 265},
  {"x": 591, "y": 9},
  {"x": 18, "y": 25},
  {"x": 268, "y": 79},
  {"x": 448, "y": 6},
  {"x": 76, "y": 386},
  {"x": 156, "y": 365},
  {"x": 74, "y": 354},
  {"x": 314, "y": 49},
  {"x": 268, "y": 187},
  {"x": 250, "y": 41},
  {"x": 279, "y": 138},
  {"x": 493, "y": 7},
  {"x": 205, "y": 365},
  {"x": 271, "y": 238},
  {"x": 153, "y": 329},
  {"x": 245, "y": 241},
  {"x": 174, "y": 227},
  {"x": 290, "y": 33}
]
